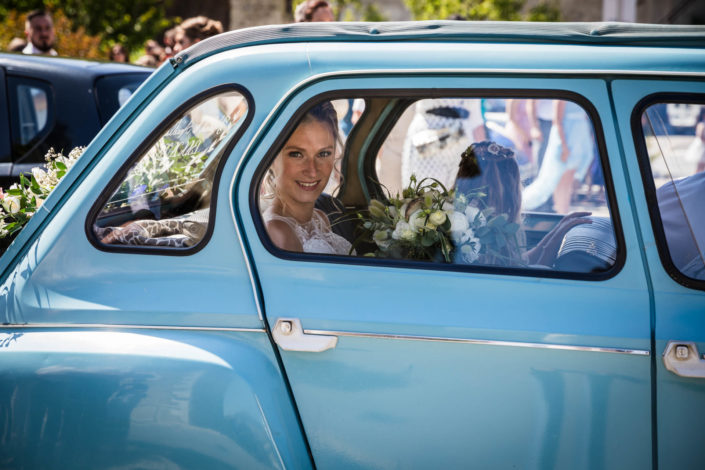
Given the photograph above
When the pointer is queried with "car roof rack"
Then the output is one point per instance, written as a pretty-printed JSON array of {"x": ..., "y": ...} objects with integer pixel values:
[{"x": 605, "y": 33}]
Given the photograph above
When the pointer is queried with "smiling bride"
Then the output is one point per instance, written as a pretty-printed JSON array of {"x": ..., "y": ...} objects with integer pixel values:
[{"x": 294, "y": 182}]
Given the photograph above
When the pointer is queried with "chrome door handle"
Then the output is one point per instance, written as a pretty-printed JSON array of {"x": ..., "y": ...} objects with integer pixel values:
[
  {"x": 682, "y": 358},
  {"x": 290, "y": 336}
]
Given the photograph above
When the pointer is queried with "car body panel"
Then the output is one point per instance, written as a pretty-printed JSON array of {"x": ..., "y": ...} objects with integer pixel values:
[
  {"x": 128, "y": 398},
  {"x": 458, "y": 397},
  {"x": 678, "y": 310}
]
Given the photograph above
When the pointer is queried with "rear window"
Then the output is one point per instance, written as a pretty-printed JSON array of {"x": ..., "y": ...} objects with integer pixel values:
[{"x": 113, "y": 91}]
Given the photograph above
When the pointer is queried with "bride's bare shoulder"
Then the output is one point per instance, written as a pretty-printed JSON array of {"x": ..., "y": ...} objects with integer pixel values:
[{"x": 283, "y": 235}]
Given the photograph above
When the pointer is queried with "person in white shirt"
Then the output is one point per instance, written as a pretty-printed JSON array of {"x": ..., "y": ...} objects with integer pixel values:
[{"x": 39, "y": 29}]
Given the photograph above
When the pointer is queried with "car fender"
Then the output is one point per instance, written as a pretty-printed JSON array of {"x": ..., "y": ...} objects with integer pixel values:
[{"x": 118, "y": 398}]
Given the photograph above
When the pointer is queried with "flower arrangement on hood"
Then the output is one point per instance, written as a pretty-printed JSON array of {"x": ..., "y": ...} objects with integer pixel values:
[
  {"x": 429, "y": 222},
  {"x": 19, "y": 203}
]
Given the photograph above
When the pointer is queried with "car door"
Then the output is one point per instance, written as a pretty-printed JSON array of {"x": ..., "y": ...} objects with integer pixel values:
[
  {"x": 656, "y": 112},
  {"x": 420, "y": 367}
]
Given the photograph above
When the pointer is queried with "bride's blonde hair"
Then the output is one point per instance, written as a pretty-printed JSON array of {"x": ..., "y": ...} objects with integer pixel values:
[{"x": 325, "y": 113}]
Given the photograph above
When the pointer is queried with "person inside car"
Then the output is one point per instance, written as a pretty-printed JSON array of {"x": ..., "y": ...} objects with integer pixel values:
[
  {"x": 297, "y": 179},
  {"x": 489, "y": 168}
]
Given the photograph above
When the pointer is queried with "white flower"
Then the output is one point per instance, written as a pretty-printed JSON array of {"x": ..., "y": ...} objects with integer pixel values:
[
  {"x": 470, "y": 252},
  {"x": 437, "y": 218},
  {"x": 40, "y": 175},
  {"x": 471, "y": 213},
  {"x": 404, "y": 231},
  {"x": 11, "y": 204},
  {"x": 416, "y": 220},
  {"x": 458, "y": 225},
  {"x": 38, "y": 201}
]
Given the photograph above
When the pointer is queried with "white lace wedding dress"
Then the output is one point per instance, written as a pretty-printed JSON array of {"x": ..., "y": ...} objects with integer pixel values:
[{"x": 316, "y": 235}]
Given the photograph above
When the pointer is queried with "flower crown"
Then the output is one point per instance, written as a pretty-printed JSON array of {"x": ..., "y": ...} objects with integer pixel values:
[{"x": 486, "y": 150}]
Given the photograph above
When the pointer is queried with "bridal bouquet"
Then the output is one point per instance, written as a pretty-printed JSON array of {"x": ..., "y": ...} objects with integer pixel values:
[
  {"x": 23, "y": 199},
  {"x": 429, "y": 222}
]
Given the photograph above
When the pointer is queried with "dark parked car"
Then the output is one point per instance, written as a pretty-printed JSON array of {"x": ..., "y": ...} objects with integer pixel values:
[{"x": 56, "y": 102}]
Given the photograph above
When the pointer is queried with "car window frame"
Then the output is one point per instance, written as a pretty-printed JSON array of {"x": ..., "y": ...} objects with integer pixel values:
[
  {"x": 119, "y": 176},
  {"x": 18, "y": 150},
  {"x": 400, "y": 93},
  {"x": 647, "y": 178}
]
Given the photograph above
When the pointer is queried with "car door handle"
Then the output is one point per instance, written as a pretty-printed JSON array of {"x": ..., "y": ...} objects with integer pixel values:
[
  {"x": 682, "y": 358},
  {"x": 290, "y": 336}
]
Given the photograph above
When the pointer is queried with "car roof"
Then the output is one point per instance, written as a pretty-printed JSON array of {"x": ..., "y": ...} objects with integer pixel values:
[
  {"x": 603, "y": 33},
  {"x": 62, "y": 65}
]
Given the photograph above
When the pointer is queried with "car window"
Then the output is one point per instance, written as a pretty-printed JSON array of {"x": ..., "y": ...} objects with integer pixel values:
[
  {"x": 674, "y": 137},
  {"x": 511, "y": 183},
  {"x": 32, "y": 108},
  {"x": 164, "y": 199},
  {"x": 113, "y": 91}
]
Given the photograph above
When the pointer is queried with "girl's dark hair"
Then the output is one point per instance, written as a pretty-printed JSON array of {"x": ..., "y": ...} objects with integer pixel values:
[
  {"x": 492, "y": 169},
  {"x": 201, "y": 27}
]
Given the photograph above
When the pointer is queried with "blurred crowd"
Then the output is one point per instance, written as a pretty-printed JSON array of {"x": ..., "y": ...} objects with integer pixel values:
[{"x": 40, "y": 36}]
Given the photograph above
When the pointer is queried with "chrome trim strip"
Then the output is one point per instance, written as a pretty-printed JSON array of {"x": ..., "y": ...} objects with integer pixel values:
[
  {"x": 11, "y": 326},
  {"x": 565, "y": 347},
  {"x": 546, "y": 73}
]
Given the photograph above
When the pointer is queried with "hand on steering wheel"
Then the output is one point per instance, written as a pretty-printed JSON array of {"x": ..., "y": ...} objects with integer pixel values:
[{"x": 546, "y": 251}]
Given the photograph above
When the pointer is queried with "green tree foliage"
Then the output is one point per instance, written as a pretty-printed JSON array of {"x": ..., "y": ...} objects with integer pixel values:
[
  {"x": 509, "y": 10},
  {"x": 130, "y": 22}
]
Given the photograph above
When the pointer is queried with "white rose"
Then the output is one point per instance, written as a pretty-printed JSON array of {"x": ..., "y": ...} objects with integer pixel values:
[
  {"x": 404, "y": 231},
  {"x": 39, "y": 175},
  {"x": 399, "y": 229},
  {"x": 458, "y": 225},
  {"x": 408, "y": 235},
  {"x": 437, "y": 218},
  {"x": 11, "y": 204},
  {"x": 416, "y": 220}
]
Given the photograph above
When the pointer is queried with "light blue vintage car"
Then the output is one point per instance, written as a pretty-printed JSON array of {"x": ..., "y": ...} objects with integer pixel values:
[{"x": 169, "y": 306}]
